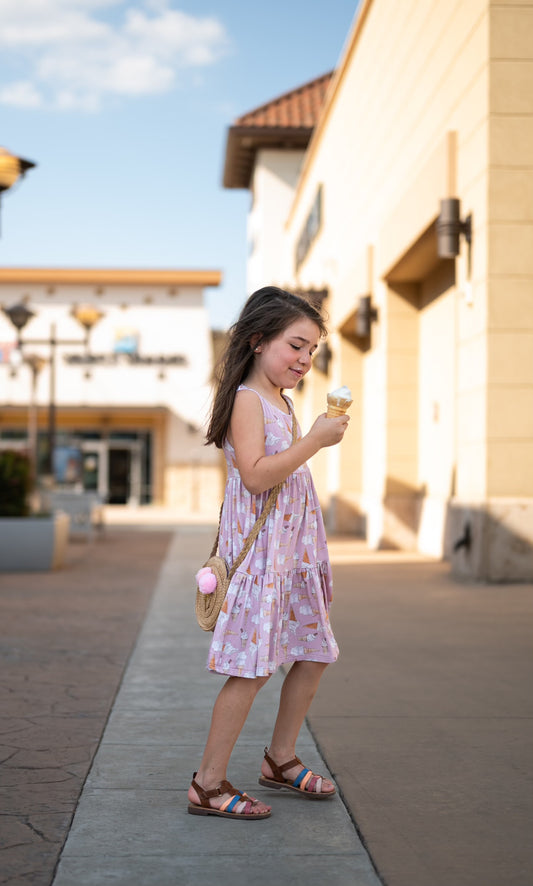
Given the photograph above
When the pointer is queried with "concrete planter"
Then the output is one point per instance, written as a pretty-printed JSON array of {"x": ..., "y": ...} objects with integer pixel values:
[{"x": 33, "y": 544}]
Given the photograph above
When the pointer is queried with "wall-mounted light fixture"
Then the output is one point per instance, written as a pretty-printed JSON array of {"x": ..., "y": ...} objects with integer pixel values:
[
  {"x": 323, "y": 358},
  {"x": 450, "y": 227},
  {"x": 365, "y": 316},
  {"x": 87, "y": 316},
  {"x": 11, "y": 169}
]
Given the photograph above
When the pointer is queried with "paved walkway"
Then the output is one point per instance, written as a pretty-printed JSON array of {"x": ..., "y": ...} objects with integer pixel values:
[
  {"x": 65, "y": 640},
  {"x": 425, "y": 723},
  {"x": 132, "y": 826},
  {"x": 426, "y": 720}
]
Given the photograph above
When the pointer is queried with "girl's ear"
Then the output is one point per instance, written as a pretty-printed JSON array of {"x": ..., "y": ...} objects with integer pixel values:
[{"x": 254, "y": 343}]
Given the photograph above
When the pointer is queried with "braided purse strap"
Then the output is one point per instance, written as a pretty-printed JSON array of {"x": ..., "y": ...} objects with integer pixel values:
[{"x": 260, "y": 522}]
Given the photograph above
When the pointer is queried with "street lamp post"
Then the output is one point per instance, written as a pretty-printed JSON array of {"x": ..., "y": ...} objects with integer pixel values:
[
  {"x": 36, "y": 363},
  {"x": 19, "y": 316}
]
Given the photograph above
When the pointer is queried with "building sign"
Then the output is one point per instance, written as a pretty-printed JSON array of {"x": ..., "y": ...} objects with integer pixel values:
[
  {"x": 126, "y": 341},
  {"x": 311, "y": 228},
  {"x": 118, "y": 359}
]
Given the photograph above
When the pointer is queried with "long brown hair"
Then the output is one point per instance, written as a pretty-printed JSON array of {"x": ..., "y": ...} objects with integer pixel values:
[{"x": 266, "y": 314}]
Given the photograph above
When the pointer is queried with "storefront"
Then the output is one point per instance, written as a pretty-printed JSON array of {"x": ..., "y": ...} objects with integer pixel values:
[{"x": 125, "y": 403}]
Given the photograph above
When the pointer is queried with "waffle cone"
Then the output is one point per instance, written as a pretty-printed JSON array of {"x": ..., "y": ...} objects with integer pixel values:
[{"x": 337, "y": 407}]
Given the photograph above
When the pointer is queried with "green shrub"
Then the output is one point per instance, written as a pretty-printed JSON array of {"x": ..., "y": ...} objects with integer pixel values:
[{"x": 15, "y": 483}]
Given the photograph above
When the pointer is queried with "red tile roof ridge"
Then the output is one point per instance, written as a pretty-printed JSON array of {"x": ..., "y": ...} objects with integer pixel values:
[{"x": 297, "y": 108}]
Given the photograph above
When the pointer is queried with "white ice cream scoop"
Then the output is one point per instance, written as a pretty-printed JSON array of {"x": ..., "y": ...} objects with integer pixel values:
[{"x": 339, "y": 401}]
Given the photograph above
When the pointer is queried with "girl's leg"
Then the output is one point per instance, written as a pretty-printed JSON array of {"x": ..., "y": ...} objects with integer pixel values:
[
  {"x": 229, "y": 716},
  {"x": 297, "y": 693}
]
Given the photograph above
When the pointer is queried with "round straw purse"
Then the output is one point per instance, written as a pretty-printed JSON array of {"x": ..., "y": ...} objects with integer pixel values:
[{"x": 208, "y": 605}]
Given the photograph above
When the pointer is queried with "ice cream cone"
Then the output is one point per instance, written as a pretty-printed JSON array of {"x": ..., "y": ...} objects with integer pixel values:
[
  {"x": 337, "y": 409},
  {"x": 339, "y": 402}
]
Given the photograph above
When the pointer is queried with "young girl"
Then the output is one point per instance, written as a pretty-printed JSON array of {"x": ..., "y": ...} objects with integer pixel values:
[{"x": 276, "y": 607}]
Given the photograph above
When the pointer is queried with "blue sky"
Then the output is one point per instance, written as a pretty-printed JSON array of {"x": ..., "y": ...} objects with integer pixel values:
[{"x": 124, "y": 105}]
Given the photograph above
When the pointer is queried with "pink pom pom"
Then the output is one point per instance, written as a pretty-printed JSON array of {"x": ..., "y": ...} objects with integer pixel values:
[
  {"x": 203, "y": 571},
  {"x": 207, "y": 581}
]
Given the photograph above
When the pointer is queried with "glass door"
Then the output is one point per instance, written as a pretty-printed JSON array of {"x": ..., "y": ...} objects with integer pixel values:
[{"x": 95, "y": 457}]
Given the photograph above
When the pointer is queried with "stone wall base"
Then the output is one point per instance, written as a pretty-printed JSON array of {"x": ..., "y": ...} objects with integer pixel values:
[{"x": 490, "y": 540}]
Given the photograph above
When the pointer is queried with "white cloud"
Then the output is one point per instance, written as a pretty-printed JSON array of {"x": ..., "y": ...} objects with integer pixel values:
[
  {"x": 75, "y": 53},
  {"x": 135, "y": 75},
  {"x": 173, "y": 33},
  {"x": 21, "y": 94}
]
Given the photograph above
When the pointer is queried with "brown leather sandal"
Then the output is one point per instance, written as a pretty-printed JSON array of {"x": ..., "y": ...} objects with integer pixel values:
[
  {"x": 226, "y": 810},
  {"x": 306, "y": 782}
]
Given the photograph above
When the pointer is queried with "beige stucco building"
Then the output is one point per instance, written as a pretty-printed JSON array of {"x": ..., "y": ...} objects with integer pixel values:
[
  {"x": 130, "y": 405},
  {"x": 430, "y": 101}
]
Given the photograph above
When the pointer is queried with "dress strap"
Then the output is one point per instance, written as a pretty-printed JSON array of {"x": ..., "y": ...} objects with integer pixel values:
[{"x": 288, "y": 401}]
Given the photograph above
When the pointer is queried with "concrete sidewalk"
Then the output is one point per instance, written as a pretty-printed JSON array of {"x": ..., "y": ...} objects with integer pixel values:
[
  {"x": 132, "y": 827},
  {"x": 425, "y": 723},
  {"x": 426, "y": 720}
]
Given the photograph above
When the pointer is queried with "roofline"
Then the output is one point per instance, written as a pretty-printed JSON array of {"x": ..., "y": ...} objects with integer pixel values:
[
  {"x": 244, "y": 141},
  {"x": 110, "y": 277},
  {"x": 338, "y": 76},
  {"x": 283, "y": 95}
]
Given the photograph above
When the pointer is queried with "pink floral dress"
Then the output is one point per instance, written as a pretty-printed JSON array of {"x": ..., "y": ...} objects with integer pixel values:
[{"x": 276, "y": 607}]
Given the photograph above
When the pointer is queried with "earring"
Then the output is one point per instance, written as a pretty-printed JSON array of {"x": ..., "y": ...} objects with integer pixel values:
[{"x": 257, "y": 350}]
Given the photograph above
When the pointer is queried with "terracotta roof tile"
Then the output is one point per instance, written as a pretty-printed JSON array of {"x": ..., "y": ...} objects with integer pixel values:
[
  {"x": 286, "y": 122},
  {"x": 298, "y": 108}
]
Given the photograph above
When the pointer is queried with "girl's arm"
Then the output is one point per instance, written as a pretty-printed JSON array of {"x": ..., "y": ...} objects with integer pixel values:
[{"x": 260, "y": 472}]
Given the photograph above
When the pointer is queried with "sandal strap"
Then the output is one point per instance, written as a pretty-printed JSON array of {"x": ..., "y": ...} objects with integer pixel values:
[
  {"x": 302, "y": 779},
  {"x": 223, "y": 788},
  {"x": 279, "y": 770},
  {"x": 306, "y": 780},
  {"x": 230, "y": 804}
]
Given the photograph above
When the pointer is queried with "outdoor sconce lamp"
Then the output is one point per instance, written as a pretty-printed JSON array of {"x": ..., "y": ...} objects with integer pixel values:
[
  {"x": 11, "y": 169},
  {"x": 365, "y": 316},
  {"x": 35, "y": 362},
  {"x": 19, "y": 316},
  {"x": 323, "y": 358},
  {"x": 450, "y": 227},
  {"x": 87, "y": 316}
]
